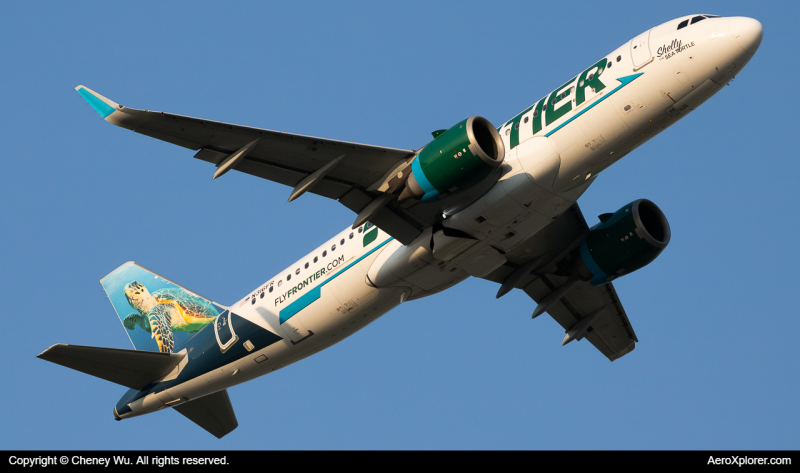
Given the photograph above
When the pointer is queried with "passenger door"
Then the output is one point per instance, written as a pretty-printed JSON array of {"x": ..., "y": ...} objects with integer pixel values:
[{"x": 640, "y": 50}]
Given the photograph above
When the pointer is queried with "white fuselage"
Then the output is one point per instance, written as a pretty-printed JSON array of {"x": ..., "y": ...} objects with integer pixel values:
[{"x": 330, "y": 293}]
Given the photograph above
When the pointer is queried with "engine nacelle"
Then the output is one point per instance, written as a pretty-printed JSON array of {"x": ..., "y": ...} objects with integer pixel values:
[
  {"x": 623, "y": 242},
  {"x": 459, "y": 158}
]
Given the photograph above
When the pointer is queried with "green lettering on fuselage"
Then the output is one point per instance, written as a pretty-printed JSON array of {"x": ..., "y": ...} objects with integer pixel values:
[
  {"x": 537, "y": 117},
  {"x": 594, "y": 82},
  {"x": 558, "y": 103},
  {"x": 554, "y": 112},
  {"x": 514, "y": 137}
]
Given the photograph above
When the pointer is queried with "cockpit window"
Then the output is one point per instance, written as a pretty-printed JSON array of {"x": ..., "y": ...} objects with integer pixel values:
[{"x": 685, "y": 23}]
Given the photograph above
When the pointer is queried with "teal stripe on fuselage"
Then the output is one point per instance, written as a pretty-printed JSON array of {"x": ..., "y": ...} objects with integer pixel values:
[
  {"x": 102, "y": 108},
  {"x": 302, "y": 302},
  {"x": 625, "y": 81},
  {"x": 316, "y": 292}
]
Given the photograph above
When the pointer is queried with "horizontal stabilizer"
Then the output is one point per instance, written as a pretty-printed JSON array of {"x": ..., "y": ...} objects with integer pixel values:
[
  {"x": 131, "y": 368},
  {"x": 213, "y": 413}
]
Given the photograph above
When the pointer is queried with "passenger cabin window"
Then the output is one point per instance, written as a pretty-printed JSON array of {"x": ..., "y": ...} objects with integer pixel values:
[
  {"x": 297, "y": 271},
  {"x": 324, "y": 254},
  {"x": 316, "y": 258},
  {"x": 289, "y": 277},
  {"x": 306, "y": 266}
]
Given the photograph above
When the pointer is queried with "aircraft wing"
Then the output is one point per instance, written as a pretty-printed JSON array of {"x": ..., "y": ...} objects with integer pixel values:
[
  {"x": 545, "y": 268},
  {"x": 284, "y": 158}
]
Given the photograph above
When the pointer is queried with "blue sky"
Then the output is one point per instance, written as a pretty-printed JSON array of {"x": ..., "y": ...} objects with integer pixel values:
[{"x": 716, "y": 313}]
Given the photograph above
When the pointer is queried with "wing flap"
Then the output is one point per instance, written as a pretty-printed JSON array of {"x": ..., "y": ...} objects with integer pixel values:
[
  {"x": 132, "y": 368},
  {"x": 327, "y": 187},
  {"x": 214, "y": 413}
]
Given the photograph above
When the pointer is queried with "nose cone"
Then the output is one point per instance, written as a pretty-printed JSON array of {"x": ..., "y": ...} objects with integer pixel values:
[{"x": 748, "y": 33}]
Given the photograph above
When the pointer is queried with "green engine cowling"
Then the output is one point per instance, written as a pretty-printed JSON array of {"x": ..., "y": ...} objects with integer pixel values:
[
  {"x": 457, "y": 159},
  {"x": 623, "y": 242}
]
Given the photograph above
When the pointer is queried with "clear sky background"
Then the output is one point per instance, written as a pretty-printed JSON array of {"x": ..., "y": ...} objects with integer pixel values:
[{"x": 716, "y": 314}]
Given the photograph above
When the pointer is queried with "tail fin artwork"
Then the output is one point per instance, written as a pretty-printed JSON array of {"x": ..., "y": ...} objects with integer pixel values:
[{"x": 158, "y": 315}]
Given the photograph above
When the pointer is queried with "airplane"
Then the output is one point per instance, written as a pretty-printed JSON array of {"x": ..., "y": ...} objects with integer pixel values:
[{"x": 499, "y": 204}]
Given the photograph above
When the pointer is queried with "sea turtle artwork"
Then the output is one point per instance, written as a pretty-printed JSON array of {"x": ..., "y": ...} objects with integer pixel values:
[{"x": 165, "y": 311}]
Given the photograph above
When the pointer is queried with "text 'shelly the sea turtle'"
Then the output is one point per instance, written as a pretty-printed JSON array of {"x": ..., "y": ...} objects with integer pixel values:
[{"x": 166, "y": 311}]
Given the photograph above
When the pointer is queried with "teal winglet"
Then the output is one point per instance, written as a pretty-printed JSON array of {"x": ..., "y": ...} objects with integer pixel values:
[{"x": 100, "y": 104}]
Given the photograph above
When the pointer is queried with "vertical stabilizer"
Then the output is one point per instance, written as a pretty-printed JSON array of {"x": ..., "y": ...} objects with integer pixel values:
[{"x": 158, "y": 315}]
